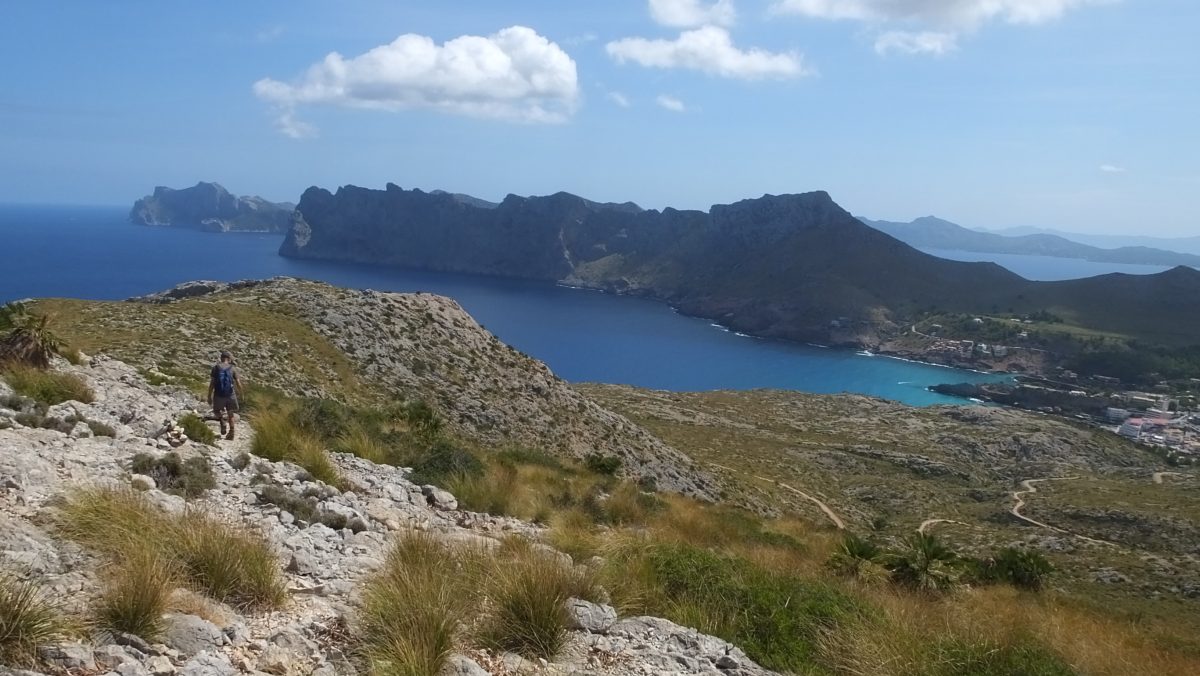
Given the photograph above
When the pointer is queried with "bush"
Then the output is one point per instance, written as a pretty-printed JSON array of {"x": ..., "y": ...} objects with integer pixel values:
[
  {"x": 607, "y": 465},
  {"x": 325, "y": 419},
  {"x": 303, "y": 508},
  {"x": 100, "y": 429},
  {"x": 927, "y": 565},
  {"x": 443, "y": 461},
  {"x": 47, "y": 387},
  {"x": 28, "y": 338},
  {"x": 855, "y": 556},
  {"x": 776, "y": 618},
  {"x": 411, "y": 609},
  {"x": 136, "y": 594},
  {"x": 628, "y": 505},
  {"x": 423, "y": 420},
  {"x": 187, "y": 478},
  {"x": 358, "y": 441},
  {"x": 228, "y": 563},
  {"x": 489, "y": 493},
  {"x": 27, "y": 620},
  {"x": 197, "y": 430},
  {"x": 1021, "y": 568}
]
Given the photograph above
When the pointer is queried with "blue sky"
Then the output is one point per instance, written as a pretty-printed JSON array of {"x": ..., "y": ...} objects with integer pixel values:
[{"x": 1079, "y": 114}]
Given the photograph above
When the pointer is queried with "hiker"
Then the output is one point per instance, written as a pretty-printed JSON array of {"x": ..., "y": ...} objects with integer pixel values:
[{"x": 224, "y": 386}]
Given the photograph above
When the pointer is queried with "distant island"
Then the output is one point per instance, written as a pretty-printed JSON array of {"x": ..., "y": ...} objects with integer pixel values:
[
  {"x": 934, "y": 233},
  {"x": 797, "y": 267},
  {"x": 1190, "y": 245},
  {"x": 210, "y": 207}
]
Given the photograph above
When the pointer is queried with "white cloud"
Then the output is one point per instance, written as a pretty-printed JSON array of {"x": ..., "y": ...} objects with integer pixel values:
[
  {"x": 1112, "y": 169},
  {"x": 924, "y": 42},
  {"x": 619, "y": 99},
  {"x": 692, "y": 13},
  {"x": 948, "y": 18},
  {"x": 709, "y": 49},
  {"x": 670, "y": 103},
  {"x": 288, "y": 125},
  {"x": 514, "y": 74},
  {"x": 961, "y": 14}
]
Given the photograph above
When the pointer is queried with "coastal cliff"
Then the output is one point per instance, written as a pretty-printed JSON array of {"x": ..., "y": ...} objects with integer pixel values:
[
  {"x": 209, "y": 206},
  {"x": 797, "y": 266}
]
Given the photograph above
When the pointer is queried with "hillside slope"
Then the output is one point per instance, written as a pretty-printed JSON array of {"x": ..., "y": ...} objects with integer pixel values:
[
  {"x": 209, "y": 206},
  {"x": 312, "y": 339}
]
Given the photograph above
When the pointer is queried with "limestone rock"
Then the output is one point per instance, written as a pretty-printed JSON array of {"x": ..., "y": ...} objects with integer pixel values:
[
  {"x": 207, "y": 664},
  {"x": 461, "y": 665},
  {"x": 70, "y": 656},
  {"x": 589, "y": 616},
  {"x": 192, "y": 635},
  {"x": 439, "y": 498}
]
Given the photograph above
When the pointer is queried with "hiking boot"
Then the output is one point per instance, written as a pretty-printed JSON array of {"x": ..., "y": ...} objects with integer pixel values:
[
  {"x": 222, "y": 428},
  {"x": 230, "y": 435}
]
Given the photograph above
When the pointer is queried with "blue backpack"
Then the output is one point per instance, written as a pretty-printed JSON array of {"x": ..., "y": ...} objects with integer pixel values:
[{"x": 223, "y": 378}]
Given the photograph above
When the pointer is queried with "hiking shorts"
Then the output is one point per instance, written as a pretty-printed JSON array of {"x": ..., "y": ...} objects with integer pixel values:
[{"x": 223, "y": 404}]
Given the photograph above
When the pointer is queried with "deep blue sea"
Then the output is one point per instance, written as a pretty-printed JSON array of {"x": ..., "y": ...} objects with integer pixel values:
[
  {"x": 584, "y": 336},
  {"x": 1046, "y": 268}
]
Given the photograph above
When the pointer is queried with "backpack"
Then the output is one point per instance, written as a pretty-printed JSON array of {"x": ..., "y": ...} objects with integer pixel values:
[{"x": 223, "y": 381}]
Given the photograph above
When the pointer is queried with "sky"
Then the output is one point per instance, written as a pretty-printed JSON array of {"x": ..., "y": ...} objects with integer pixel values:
[{"x": 1075, "y": 114}]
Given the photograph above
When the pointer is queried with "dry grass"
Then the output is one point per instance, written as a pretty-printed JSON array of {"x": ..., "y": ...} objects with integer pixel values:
[
  {"x": 136, "y": 593},
  {"x": 276, "y": 438},
  {"x": 27, "y": 619},
  {"x": 229, "y": 563},
  {"x": 47, "y": 387}
]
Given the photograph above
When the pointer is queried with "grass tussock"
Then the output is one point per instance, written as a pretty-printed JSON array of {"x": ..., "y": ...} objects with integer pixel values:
[
  {"x": 136, "y": 593},
  {"x": 412, "y": 609},
  {"x": 228, "y": 563},
  {"x": 27, "y": 620},
  {"x": 197, "y": 430},
  {"x": 47, "y": 387},
  {"x": 276, "y": 438}
]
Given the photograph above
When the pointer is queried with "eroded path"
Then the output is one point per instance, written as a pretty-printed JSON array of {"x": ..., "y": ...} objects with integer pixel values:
[
  {"x": 928, "y": 523},
  {"x": 1157, "y": 477}
]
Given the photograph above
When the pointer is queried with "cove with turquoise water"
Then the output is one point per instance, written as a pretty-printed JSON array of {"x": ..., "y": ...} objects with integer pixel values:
[{"x": 584, "y": 336}]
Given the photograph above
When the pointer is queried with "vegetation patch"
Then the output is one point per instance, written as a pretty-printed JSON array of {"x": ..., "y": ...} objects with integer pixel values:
[
  {"x": 278, "y": 440},
  {"x": 196, "y": 429},
  {"x": 187, "y": 478},
  {"x": 229, "y": 563},
  {"x": 304, "y": 508},
  {"x": 954, "y": 656},
  {"x": 136, "y": 593},
  {"x": 27, "y": 619},
  {"x": 47, "y": 387}
]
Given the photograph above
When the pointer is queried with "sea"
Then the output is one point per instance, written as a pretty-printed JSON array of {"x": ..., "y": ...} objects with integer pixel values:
[{"x": 584, "y": 336}]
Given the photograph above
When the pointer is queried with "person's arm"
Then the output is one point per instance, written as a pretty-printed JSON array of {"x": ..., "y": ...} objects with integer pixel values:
[{"x": 237, "y": 384}]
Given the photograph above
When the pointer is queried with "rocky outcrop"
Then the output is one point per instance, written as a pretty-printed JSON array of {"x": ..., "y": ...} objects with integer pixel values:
[
  {"x": 208, "y": 206},
  {"x": 324, "y": 567}
]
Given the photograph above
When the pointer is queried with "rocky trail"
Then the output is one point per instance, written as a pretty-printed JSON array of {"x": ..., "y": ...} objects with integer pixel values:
[
  {"x": 929, "y": 523},
  {"x": 1157, "y": 477},
  {"x": 324, "y": 568},
  {"x": 833, "y": 517}
]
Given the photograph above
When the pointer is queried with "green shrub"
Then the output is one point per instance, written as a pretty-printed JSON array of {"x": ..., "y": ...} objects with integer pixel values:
[
  {"x": 855, "y": 556},
  {"x": 196, "y": 429},
  {"x": 607, "y": 465},
  {"x": 100, "y": 429},
  {"x": 241, "y": 461},
  {"x": 188, "y": 478},
  {"x": 443, "y": 461},
  {"x": 47, "y": 387},
  {"x": 277, "y": 439},
  {"x": 489, "y": 493},
  {"x": 958, "y": 657},
  {"x": 358, "y": 441},
  {"x": 926, "y": 565},
  {"x": 777, "y": 619},
  {"x": 136, "y": 594},
  {"x": 325, "y": 419},
  {"x": 27, "y": 620},
  {"x": 1021, "y": 568},
  {"x": 27, "y": 337},
  {"x": 422, "y": 418},
  {"x": 526, "y": 456},
  {"x": 303, "y": 508}
]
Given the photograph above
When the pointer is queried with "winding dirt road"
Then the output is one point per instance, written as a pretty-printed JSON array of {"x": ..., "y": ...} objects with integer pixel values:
[
  {"x": 1019, "y": 496},
  {"x": 837, "y": 521}
]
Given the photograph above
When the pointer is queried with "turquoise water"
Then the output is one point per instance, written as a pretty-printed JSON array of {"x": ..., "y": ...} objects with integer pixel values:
[{"x": 584, "y": 336}]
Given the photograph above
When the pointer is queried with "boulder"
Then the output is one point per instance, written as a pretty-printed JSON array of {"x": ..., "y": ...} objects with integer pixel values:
[
  {"x": 461, "y": 665},
  {"x": 70, "y": 656},
  {"x": 439, "y": 498},
  {"x": 192, "y": 635},
  {"x": 208, "y": 664},
  {"x": 590, "y": 617}
]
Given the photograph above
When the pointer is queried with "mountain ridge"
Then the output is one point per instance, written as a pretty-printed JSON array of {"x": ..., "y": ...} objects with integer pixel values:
[
  {"x": 786, "y": 266},
  {"x": 936, "y": 233},
  {"x": 209, "y": 206}
]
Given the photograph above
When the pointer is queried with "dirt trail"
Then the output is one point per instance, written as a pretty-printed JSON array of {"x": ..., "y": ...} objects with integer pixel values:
[
  {"x": 931, "y": 522},
  {"x": 837, "y": 521},
  {"x": 1029, "y": 489}
]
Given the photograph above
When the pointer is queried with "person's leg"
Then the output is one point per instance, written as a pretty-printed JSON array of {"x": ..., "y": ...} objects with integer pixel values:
[
  {"x": 219, "y": 412},
  {"x": 233, "y": 409}
]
